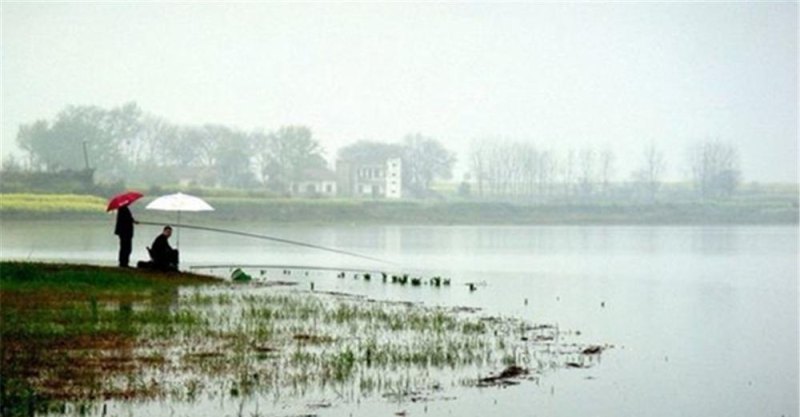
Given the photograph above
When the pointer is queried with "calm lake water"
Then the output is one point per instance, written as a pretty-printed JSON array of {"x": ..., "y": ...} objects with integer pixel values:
[{"x": 703, "y": 320}]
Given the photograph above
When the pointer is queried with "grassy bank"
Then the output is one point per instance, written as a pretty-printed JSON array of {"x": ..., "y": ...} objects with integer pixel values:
[
  {"x": 54, "y": 319},
  {"x": 79, "y": 336},
  {"x": 778, "y": 209}
]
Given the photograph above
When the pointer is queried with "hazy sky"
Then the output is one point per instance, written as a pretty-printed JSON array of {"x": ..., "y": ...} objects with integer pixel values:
[{"x": 612, "y": 75}]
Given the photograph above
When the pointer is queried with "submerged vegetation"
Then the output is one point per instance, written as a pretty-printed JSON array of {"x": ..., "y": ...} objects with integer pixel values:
[{"x": 88, "y": 335}]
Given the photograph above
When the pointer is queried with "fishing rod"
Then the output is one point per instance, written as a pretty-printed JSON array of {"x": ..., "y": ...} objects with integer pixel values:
[
  {"x": 295, "y": 267},
  {"x": 274, "y": 239}
]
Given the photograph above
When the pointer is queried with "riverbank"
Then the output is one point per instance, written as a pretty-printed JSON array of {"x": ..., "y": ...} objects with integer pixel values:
[
  {"x": 777, "y": 209},
  {"x": 80, "y": 337},
  {"x": 59, "y": 320}
]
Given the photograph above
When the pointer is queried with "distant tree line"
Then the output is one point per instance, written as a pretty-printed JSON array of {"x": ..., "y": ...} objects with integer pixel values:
[
  {"x": 521, "y": 170},
  {"x": 125, "y": 144}
]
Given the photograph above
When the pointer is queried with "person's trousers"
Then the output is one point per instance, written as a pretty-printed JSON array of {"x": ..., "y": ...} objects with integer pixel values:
[
  {"x": 173, "y": 257},
  {"x": 125, "y": 246}
]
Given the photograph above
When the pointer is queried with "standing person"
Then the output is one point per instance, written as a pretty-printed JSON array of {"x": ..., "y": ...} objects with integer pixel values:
[{"x": 124, "y": 230}]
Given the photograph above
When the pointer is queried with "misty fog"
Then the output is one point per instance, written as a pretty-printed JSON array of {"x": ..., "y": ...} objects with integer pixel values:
[{"x": 559, "y": 77}]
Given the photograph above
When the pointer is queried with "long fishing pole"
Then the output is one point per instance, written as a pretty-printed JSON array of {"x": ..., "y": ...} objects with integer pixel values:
[
  {"x": 274, "y": 239},
  {"x": 295, "y": 267}
]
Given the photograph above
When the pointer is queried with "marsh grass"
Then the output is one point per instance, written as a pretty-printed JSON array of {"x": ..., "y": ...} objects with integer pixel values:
[
  {"x": 65, "y": 328},
  {"x": 76, "y": 333}
]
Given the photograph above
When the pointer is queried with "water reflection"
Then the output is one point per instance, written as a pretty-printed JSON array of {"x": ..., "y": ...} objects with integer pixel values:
[{"x": 710, "y": 240}]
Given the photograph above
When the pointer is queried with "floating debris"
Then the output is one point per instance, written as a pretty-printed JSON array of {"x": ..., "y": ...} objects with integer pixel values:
[
  {"x": 504, "y": 378},
  {"x": 576, "y": 365},
  {"x": 240, "y": 276},
  {"x": 264, "y": 349},
  {"x": 311, "y": 338},
  {"x": 592, "y": 350}
]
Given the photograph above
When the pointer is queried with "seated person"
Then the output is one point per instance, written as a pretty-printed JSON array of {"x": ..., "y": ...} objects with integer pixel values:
[{"x": 162, "y": 254}]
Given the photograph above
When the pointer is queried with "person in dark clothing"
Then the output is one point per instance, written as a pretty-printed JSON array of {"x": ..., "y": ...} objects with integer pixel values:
[
  {"x": 124, "y": 229},
  {"x": 162, "y": 254}
]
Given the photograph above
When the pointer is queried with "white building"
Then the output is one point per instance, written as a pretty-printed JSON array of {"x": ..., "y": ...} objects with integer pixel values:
[
  {"x": 394, "y": 176},
  {"x": 370, "y": 179}
]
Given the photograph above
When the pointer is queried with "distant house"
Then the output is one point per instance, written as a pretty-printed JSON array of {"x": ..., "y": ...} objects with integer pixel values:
[
  {"x": 319, "y": 182},
  {"x": 370, "y": 179}
]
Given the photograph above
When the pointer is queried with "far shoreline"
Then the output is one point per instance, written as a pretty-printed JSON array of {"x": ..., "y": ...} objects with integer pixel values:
[{"x": 410, "y": 213}]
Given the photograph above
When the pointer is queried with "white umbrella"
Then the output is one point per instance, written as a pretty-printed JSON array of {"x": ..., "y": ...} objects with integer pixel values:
[{"x": 179, "y": 202}]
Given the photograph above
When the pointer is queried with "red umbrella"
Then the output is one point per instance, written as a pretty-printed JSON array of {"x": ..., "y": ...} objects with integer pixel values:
[{"x": 123, "y": 200}]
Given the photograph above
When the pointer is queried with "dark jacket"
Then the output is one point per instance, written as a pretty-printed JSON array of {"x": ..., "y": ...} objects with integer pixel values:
[
  {"x": 125, "y": 221},
  {"x": 161, "y": 251}
]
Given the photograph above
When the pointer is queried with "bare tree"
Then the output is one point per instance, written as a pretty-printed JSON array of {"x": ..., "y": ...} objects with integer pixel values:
[
  {"x": 478, "y": 163},
  {"x": 546, "y": 173},
  {"x": 607, "y": 160},
  {"x": 587, "y": 174},
  {"x": 568, "y": 171},
  {"x": 715, "y": 168},
  {"x": 649, "y": 175},
  {"x": 513, "y": 169}
]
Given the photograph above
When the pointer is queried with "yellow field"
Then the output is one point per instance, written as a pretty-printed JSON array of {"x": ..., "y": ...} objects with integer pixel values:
[{"x": 51, "y": 203}]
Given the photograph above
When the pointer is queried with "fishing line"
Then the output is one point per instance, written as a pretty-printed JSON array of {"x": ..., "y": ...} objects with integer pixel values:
[
  {"x": 277, "y": 266},
  {"x": 274, "y": 239}
]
